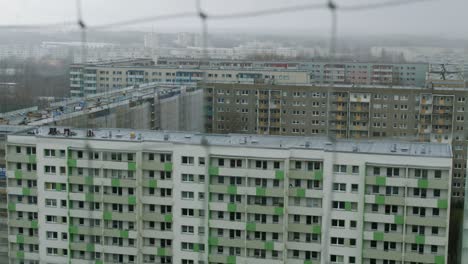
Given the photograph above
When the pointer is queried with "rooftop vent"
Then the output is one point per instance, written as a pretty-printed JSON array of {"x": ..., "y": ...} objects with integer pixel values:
[
  {"x": 307, "y": 144},
  {"x": 355, "y": 148},
  {"x": 328, "y": 143},
  {"x": 52, "y": 131},
  {"x": 393, "y": 148},
  {"x": 89, "y": 133},
  {"x": 254, "y": 141},
  {"x": 244, "y": 141},
  {"x": 188, "y": 136},
  {"x": 166, "y": 137},
  {"x": 423, "y": 149}
]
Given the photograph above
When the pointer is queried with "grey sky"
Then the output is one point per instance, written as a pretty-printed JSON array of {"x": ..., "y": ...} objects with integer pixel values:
[{"x": 439, "y": 17}]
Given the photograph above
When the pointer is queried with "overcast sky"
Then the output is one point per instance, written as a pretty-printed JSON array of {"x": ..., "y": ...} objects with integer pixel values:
[{"x": 447, "y": 18}]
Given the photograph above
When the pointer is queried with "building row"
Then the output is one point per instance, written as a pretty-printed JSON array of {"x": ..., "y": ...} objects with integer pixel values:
[
  {"x": 124, "y": 196},
  {"x": 94, "y": 78}
]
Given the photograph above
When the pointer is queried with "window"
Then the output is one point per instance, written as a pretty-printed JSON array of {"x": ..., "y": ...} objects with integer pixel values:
[
  {"x": 337, "y": 241},
  {"x": 276, "y": 165},
  {"x": 393, "y": 172},
  {"x": 340, "y": 187},
  {"x": 51, "y": 219},
  {"x": 52, "y": 251},
  {"x": 338, "y": 223},
  {"x": 187, "y": 212},
  {"x": 355, "y": 169},
  {"x": 354, "y": 187},
  {"x": 336, "y": 259},
  {"x": 437, "y": 174},
  {"x": 420, "y": 173},
  {"x": 201, "y": 178},
  {"x": 187, "y": 229},
  {"x": 201, "y": 161},
  {"x": 165, "y": 157},
  {"x": 49, "y": 152},
  {"x": 52, "y": 235},
  {"x": 187, "y": 177},
  {"x": 51, "y": 203},
  {"x": 49, "y": 169},
  {"x": 187, "y": 195},
  {"x": 338, "y": 205},
  {"x": 376, "y": 171},
  {"x": 186, "y": 160},
  {"x": 339, "y": 168},
  {"x": 261, "y": 164}
]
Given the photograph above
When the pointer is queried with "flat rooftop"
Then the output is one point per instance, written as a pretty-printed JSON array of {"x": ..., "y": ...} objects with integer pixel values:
[{"x": 389, "y": 147}]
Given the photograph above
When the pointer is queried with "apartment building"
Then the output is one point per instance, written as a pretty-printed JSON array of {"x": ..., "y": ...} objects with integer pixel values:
[
  {"x": 123, "y": 196},
  {"x": 464, "y": 231},
  {"x": 406, "y": 74},
  {"x": 97, "y": 78},
  {"x": 434, "y": 114},
  {"x": 94, "y": 78},
  {"x": 4, "y": 131}
]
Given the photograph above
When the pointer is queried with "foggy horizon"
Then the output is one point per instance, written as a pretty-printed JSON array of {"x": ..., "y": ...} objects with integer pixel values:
[{"x": 422, "y": 19}]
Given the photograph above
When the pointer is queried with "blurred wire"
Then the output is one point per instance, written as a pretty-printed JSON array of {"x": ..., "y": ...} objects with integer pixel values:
[
  {"x": 237, "y": 15},
  {"x": 381, "y": 5},
  {"x": 271, "y": 11},
  {"x": 145, "y": 20},
  {"x": 39, "y": 26}
]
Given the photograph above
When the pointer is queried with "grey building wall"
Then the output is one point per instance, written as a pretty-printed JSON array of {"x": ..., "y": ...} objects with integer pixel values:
[{"x": 409, "y": 113}]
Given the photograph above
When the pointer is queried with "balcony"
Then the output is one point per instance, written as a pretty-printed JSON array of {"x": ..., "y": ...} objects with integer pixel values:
[
  {"x": 85, "y": 230},
  {"x": 302, "y": 192},
  {"x": 263, "y": 227},
  {"x": 381, "y": 254},
  {"x": 305, "y": 228},
  {"x": 249, "y": 172},
  {"x": 215, "y": 258},
  {"x": 22, "y": 239},
  {"x": 226, "y": 241},
  {"x": 264, "y": 209},
  {"x": 120, "y": 199},
  {"x": 423, "y": 239},
  {"x": 23, "y": 223},
  {"x": 426, "y": 221},
  {"x": 158, "y": 217},
  {"x": 306, "y": 175},
  {"x": 160, "y": 251},
  {"x": 129, "y": 216},
  {"x": 17, "y": 157},
  {"x": 156, "y": 165},
  {"x": 424, "y": 258},
  {"x": 382, "y": 236},
  {"x": 22, "y": 191},
  {"x": 385, "y": 200}
]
